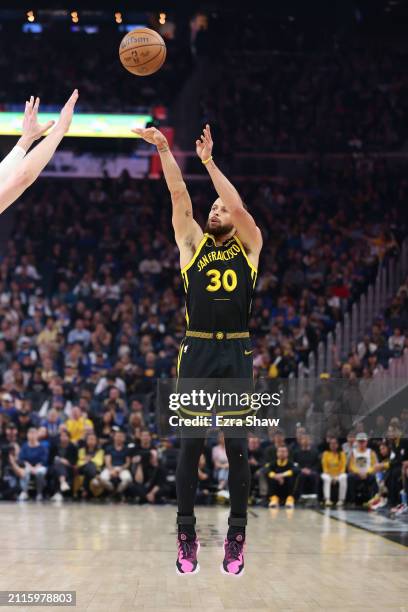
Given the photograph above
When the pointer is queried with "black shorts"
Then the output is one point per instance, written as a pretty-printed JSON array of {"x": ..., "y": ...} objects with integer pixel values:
[
  {"x": 223, "y": 368},
  {"x": 201, "y": 358}
]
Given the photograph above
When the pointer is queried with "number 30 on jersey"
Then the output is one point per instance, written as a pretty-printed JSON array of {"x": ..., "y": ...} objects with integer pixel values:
[{"x": 228, "y": 280}]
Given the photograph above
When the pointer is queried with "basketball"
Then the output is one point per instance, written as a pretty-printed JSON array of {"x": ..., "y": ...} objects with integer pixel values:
[{"x": 142, "y": 51}]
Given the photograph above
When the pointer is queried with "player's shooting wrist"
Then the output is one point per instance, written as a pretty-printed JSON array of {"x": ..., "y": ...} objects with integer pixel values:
[
  {"x": 207, "y": 160},
  {"x": 163, "y": 147}
]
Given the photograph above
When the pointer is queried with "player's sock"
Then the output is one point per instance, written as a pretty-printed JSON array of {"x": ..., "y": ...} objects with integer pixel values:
[
  {"x": 236, "y": 526},
  {"x": 186, "y": 524}
]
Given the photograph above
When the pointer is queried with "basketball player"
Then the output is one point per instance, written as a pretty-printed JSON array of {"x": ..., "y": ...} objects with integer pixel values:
[
  {"x": 18, "y": 170},
  {"x": 217, "y": 342}
]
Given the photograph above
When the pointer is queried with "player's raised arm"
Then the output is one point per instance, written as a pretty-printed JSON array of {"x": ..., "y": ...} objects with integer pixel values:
[
  {"x": 33, "y": 163},
  {"x": 247, "y": 229},
  {"x": 187, "y": 231},
  {"x": 32, "y": 130}
]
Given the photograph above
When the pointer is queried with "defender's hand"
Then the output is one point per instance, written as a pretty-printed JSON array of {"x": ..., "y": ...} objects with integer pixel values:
[
  {"x": 204, "y": 146},
  {"x": 67, "y": 112},
  {"x": 152, "y": 135},
  {"x": 32, "y": 130}
]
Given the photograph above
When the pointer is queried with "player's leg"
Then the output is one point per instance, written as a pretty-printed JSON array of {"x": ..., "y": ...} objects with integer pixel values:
[
  {"x": 239, "y": 480},
  {"x": 193, "y": 363},
  {"x": 239, "y": 477},
  {"x": 186, "y": 487}
]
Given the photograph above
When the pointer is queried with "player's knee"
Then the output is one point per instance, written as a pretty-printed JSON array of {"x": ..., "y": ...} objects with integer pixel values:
[{"x": 236, "y": 449}]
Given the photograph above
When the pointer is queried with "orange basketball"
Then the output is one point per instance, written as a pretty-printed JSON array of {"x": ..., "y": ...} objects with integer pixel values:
[{"x": 142, "y": 51}]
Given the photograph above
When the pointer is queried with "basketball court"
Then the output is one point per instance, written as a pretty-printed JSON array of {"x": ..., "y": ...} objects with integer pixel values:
[{"x": 120, "y": 557}]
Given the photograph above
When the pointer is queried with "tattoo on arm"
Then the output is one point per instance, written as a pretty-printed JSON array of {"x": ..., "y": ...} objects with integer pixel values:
[{"x": 187, "y": 213}]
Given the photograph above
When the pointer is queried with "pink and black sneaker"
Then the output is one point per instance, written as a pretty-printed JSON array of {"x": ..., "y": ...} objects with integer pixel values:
[
  {"x": 187, "y": 555},
  {"x": 233, "y": 564}
]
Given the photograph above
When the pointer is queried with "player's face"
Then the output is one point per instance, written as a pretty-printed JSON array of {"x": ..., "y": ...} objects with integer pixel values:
[{"x": 219, "y": 220}]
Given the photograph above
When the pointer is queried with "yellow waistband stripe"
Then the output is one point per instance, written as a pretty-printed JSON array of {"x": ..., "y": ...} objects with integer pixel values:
[{"x": 219, "y": 335}]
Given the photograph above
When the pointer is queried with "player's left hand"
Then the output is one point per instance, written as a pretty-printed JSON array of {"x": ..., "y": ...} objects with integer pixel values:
[
  {"x": 204, "y": 146},
  {"x": 32, "y": 130}
]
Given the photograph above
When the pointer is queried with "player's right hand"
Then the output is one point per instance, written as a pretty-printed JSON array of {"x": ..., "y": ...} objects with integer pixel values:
[
  {"x": 152, "y": 135},
  {"x": 67, "y": 112}
]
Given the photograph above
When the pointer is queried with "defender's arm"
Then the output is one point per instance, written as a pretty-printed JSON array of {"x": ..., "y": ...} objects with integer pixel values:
[
  {"x": 33, "y": 163},
  {"x": 32, "y": 130}
]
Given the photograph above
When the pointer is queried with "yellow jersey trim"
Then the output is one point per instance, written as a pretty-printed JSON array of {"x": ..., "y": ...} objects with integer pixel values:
[
  {"x": 196, "y": 254},
  {"x": 241, "y": 246}
]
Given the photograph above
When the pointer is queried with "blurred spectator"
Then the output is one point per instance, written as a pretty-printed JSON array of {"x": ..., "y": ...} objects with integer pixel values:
[
  {"x": 306, "y": 461},
  {"x": 116, "y": 476},
  {"x": 398, "y": 456},
  {"x": 281, "y": 478},
  {"x": 91, "y": 459},
  {"x": 361, "y": 469},
  {"x": 334, "y": 472},
  {"x": 32, "y": 464},
  {"x": 63, "y": 459},
  {"x": 78, "y": 424},
  {"x": 149, "y": 485},
  {"x": 381, "y": 469}
]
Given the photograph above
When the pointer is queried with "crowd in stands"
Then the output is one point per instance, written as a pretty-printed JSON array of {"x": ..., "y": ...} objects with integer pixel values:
[
  {"x": 387, "y": 338},
  {"x": 268, "y": 91},
  {"x": 293, "y": 92},
  {"x": 90, "y": 63},
  {"x": 80, "y": 454},
  {"x": 92, "y": 312}
]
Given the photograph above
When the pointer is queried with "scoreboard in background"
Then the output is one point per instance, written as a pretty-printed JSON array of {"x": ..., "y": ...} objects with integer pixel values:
[{"x": 87, "y": 125}]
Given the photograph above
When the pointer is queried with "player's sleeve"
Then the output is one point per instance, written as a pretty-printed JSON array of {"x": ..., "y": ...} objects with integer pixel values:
[{"x": 11, "y": 162}]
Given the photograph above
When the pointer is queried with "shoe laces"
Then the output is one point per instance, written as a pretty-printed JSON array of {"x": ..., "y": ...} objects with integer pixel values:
[
  {"x": 233, "y": 549},
  {"x": 187, "y": 547}
]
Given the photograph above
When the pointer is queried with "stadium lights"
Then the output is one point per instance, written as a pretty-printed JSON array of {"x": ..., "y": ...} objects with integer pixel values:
[
  {"x": 162, "y": 18},
  {"x": 74, "y": 17},
  {"x": 118, "y": 17},
  {"x": 30, "y": 16}
]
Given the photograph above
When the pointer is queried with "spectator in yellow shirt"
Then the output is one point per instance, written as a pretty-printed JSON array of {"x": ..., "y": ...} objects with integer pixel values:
[
  {"x": 334, "y": 471},
  {"x": 91, "y": 459},
  {"x": 78, "y": 424},
  {"x": 49, "y": 335}
]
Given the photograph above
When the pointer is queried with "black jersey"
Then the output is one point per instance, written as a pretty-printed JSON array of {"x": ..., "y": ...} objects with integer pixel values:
[{"x": 219, "y": 282}]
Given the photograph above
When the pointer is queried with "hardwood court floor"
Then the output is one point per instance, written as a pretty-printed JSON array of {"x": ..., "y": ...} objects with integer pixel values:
[{"x": 120, "y": 557}]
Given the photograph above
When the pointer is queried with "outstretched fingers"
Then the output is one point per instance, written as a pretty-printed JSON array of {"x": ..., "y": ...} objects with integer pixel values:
[
  {"x": 29, "y": 105},
  {"x": 70, "y": 103},
  {"x": 207, "y": 133}
]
